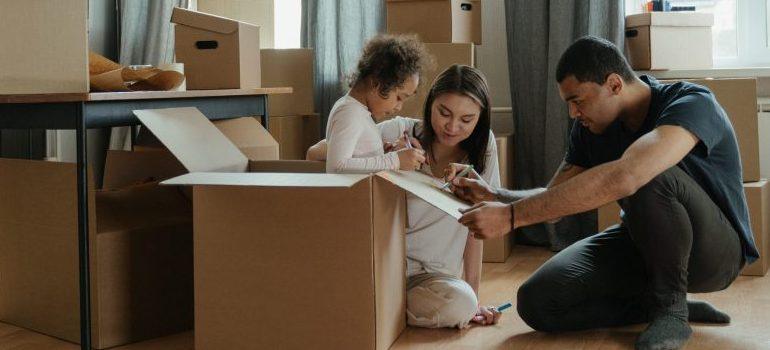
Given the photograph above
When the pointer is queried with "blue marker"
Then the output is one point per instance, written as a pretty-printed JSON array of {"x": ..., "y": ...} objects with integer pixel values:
[{"x": 501, "y": 308}]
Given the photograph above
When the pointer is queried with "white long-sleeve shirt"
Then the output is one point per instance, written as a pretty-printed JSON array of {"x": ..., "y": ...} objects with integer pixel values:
[
  {"x": 435, "y": 241},
  {"x": 354, "y": 143}
]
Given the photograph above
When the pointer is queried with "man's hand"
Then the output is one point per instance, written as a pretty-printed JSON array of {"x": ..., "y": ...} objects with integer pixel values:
[
  {"x": 473, "y": 190},
  {"x": 486, "y": 315},
  {"x": 487, "y": 219}
]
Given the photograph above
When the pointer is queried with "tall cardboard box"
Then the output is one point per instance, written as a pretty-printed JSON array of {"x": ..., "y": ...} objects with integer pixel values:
[
  {"x": 140, "y": 254},
  {"x": 669, "y": 40},
  {"x": 217, "y": 52},
  {"x": 349, "y": 230},
  {"x": 738, "y": 97},
  {"x": 294, "y": 68},
  {"x": 46, "y": 47},
  {"x": 436, "y": 21},
  {"x": 295, "y": 134},
  {"x": 758, "y": 199},
  {"x": 498, "y": 249},
  {"x": 445, "y": 55},
  {"x": 764, "y": 145}
]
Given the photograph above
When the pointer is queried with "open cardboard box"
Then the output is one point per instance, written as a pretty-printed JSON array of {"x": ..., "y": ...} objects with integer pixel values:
[
  {"x": 140, "y": 254},
  {"x": 327, "y": 247}
]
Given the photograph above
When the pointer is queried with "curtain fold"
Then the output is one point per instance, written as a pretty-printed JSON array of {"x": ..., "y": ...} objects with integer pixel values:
[
  {"x": 146, "y": 37},
  {"x": 537, "y": 33},
  {"x": 337, "y": 30}
]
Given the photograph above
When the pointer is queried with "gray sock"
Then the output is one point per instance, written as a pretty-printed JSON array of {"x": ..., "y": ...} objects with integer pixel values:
[
  {"x": 701, "y": 311},
  {"x": 667, "y": 332}
]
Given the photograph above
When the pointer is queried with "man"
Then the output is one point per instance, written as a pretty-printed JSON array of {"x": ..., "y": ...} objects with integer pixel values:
[{"x": 668, "y": 155}]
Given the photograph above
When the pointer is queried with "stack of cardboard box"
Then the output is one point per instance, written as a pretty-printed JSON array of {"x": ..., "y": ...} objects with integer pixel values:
[
  {"x": 293, "y": 121},
  {"x": 450, "y": 30},
  {"x": 738, "y": 97}
]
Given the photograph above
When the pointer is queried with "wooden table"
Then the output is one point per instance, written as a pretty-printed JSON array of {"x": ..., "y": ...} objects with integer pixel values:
[{"x": 82, "y": 111}]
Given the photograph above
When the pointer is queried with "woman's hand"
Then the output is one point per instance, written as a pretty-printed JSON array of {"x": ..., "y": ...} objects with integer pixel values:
[
  {"x": 411, "y": 158},
  {"x": 486, "y": 315}
]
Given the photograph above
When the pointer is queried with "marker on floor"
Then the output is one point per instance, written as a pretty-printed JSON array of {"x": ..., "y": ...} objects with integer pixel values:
[{"x": 501, "y": 308}]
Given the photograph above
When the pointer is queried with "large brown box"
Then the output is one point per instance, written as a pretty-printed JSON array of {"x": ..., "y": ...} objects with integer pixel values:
[
  {"x": 669, "y": 40},
  {"x": 436, "y": 21},
  {"x": 140, "y": 254},
  {"x": 249, "y": 215},
  {"x": 293, "y": 68},
  {"x": 445, "y": 55},
  {"x": 758, "y": 199},
  {"x": 295, "y": 134},
  {"x": 498, "y": 249},
  {"x": 217, "y": 52},
  {"x": 738, "y": 97}
]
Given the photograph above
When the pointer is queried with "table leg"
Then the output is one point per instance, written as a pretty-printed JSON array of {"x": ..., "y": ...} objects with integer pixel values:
[{"x": 83, "y": 251}]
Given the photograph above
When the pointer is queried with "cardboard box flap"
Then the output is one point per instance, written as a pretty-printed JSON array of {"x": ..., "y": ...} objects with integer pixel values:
[
  {"x": 204, "y": 21},
  {"x": 193, "y": 139},
  {"x": 427, "y": 188},
  {"x": 247, "y": 133},
  {"x": 267, "y": 179},
  {"x": 671, "y": 19}
]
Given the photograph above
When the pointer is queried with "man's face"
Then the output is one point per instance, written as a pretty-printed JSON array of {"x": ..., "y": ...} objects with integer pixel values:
[{"x": 594, "y": 106}]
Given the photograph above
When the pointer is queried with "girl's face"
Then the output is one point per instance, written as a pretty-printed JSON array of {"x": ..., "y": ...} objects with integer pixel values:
[
  {"x": 381, "y": 108},
  {"x": 454, "y": 117}
]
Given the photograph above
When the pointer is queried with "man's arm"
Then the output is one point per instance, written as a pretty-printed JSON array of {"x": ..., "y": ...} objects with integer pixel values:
[
  {"x": 646, "y": 158},
  {"x": 565, "y": 172}
]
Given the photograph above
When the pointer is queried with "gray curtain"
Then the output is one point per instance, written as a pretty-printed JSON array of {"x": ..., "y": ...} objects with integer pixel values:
[
  {"x": 538, "y": 32},
  {"x": 337, "y": 31},
  {"x": 146, "y": 37}
]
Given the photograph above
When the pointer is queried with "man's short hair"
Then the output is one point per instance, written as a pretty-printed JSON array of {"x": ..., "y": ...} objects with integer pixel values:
[{"x": 592, "y": 59}]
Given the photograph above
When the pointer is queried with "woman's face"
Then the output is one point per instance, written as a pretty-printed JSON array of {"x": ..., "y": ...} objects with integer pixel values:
[{"x": 454, "y": 117}]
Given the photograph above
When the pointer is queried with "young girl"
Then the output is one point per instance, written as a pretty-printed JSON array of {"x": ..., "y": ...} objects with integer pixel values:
[
  {"x": 443, "y": 261},
  {"x": 387, "y": 74}
]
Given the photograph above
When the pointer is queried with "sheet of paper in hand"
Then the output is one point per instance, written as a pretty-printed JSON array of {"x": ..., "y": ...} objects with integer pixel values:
[{"x": 428, "y": 188}]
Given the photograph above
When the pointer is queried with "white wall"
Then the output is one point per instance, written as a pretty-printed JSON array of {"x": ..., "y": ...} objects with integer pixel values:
[{"x": 492, "y": 59}]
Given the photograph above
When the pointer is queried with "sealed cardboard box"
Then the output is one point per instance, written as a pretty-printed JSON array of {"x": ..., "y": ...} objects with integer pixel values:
[
  {"x": 498, "y": 249},
  {"x": 140, "y": 254},
  {"x": 46, "y": 47},
  {"x": 445, "y": 55},
  {"x": 608, "y": 215},
  {"x": 758, "y": 199},
  {"x": 738, "y": 97},
  {"x": 217, "y": 52},
  {"x": 350, "y": 230},
  {"x": 764, "y": 145},
  {"x": 669, "y": 40},
  {"x": 436, "y": 21},
  {"x": 289, "y": 67},
  {"x": 295, "y": 134}
]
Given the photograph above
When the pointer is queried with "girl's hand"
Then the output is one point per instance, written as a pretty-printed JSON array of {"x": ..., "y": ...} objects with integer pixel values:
[
  {"x": 486, "y": 315},
  {"x": 411, "y": 158},
  {"x": 400, "y": 144}
]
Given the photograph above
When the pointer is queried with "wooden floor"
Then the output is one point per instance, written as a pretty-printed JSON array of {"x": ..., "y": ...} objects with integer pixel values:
[{"x": 747, "y": 301}]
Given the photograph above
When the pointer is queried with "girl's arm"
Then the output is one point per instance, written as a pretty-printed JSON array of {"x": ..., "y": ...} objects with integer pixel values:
[{"x": 343, "y": 137}]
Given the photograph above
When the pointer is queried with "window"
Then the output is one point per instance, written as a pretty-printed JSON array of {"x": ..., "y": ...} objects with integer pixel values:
[
  {"x": 740, "y": 32},
  {"x": 288, "y": 23}
]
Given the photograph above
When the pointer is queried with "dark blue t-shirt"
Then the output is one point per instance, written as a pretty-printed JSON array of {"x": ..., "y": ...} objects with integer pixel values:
[{"x": 714, "y": 163}]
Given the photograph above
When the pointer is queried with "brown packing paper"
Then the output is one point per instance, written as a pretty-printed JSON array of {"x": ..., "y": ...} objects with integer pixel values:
[{"x": 106, "y": 75}]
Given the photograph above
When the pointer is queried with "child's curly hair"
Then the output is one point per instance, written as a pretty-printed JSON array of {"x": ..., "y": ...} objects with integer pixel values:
[{"x": 390, "y": 60}]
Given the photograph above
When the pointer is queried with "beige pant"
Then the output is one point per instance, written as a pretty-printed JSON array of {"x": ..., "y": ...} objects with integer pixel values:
[{"x": 436, "y": 300}]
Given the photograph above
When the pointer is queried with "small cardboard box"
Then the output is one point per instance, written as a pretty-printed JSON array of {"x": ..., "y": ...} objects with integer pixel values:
[
  {"x": 764, "y": 145},
  {"x": 436, "y": 21},
  {"x": 217, "y": 52},
  {"x": 445, "y": 55},
  {"x": 758, "y": 199},
  {"x": 608, "y": 215},
  {"x": 46, "y": 47},
  {"x": 738, "y": 97},
  {"x": 294, "y": 68},
  {"x": 295, "y": 134},
  {"x": 140, "y": 254},
  {"x": 498, "y": 249},
  {"x": 669, "y": 40},
  {"x": 350, "y": 230}
]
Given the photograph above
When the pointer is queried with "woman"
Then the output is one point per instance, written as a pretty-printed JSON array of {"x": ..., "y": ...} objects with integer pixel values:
[{"x": 443, "y": 261}]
